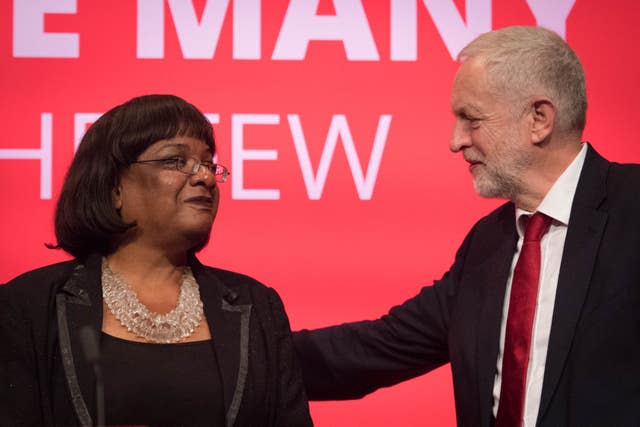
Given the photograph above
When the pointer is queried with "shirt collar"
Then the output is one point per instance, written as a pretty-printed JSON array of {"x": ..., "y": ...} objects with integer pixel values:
[{"x": 557, "y": 203}]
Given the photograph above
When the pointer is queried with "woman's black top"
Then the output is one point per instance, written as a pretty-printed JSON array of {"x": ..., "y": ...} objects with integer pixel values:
[
  {"x": 46, "y": 380},
  {"x": 161, "y": 384}
]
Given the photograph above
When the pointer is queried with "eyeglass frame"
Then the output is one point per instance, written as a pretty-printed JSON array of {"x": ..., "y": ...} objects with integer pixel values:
[{"x": 221, "y": 177}]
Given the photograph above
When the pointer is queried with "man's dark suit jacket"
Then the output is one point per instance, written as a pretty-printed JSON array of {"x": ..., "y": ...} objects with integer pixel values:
[
  {"x": 592, "y": 373},
  {"x": 45, "y": 379}
]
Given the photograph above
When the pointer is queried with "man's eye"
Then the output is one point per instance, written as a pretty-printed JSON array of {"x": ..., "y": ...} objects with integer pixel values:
[{"x": 473, "y": 121}]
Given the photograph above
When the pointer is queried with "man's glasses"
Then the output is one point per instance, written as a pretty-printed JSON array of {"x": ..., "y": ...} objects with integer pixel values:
[{"x": 190, "y": 166}]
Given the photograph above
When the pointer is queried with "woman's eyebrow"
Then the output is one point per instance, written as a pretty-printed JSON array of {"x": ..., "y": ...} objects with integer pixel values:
[
  {"x": 183, "y": 148},
  {"x": 175, "y": 145}
]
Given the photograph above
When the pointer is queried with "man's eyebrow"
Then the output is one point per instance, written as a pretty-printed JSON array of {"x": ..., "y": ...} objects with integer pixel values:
[
  {"x": 462, "y": 110},
  {"x": 466, "y": 110}
]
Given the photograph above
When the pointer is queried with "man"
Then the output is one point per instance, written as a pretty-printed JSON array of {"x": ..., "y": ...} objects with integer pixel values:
[{"x": 539, "y": 315}]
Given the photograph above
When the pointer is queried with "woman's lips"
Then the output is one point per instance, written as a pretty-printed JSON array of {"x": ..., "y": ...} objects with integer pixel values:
[{"x": 200, "y": 201}]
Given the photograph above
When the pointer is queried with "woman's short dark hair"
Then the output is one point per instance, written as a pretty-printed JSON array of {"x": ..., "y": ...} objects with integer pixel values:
[{"x": 86, "y": 220}]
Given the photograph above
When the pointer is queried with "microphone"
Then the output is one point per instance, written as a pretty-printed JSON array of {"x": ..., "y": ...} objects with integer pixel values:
[{"x": 91, "y": 349}]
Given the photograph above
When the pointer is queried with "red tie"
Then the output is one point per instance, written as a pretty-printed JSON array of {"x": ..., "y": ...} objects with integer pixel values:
[{"x": 522, "y": 308}]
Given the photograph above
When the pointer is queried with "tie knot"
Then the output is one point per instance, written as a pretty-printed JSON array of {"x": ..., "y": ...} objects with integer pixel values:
[{"x": 536, "y": 226}]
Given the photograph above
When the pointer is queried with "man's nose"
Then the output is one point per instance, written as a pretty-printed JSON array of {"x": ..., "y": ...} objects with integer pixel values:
[{"x": 460, "y": 136}]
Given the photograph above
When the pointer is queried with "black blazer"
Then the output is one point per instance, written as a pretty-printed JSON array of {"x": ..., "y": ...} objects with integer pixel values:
[
  {"x": 592, "y": 373},
  {"x": 45, "y": 380}
]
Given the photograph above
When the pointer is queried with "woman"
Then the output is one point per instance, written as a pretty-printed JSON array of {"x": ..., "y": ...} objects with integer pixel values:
[{"x": 181, "y": 343}]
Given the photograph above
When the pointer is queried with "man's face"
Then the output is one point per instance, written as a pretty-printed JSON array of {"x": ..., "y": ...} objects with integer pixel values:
[{"x": 491, "y": 134}]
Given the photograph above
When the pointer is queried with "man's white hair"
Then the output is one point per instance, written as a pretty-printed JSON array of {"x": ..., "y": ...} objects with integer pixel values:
[{"x": 527, "y": 61}]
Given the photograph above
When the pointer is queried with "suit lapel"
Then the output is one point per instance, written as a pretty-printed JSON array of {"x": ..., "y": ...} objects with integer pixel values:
[
  {"x": 78, "y": 304},
  {"x": 586, "y": 226},
  {"x": 490, "y": 273},
  {"x": 229, "y": 325}
]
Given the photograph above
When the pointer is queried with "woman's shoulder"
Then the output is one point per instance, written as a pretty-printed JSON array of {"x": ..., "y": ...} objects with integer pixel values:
[
  {"x": 237, "y": 282},
  {"x": 242, "y": 288},
  {"x": 34, "y": 281}
]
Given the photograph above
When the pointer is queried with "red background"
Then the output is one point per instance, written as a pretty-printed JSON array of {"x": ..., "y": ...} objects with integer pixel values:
[{"x": 338, "y": 258}]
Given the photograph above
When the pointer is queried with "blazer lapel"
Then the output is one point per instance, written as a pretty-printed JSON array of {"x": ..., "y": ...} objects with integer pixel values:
[
  {"x": 229, "y": 325},
  {"x": 78, "y": 304},
  {"x": 586, "y": 226},
  {"x": 491, "y": 273}
]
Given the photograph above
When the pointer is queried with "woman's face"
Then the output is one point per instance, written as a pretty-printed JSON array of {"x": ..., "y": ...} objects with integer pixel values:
[{"x": 169, "y": 206}]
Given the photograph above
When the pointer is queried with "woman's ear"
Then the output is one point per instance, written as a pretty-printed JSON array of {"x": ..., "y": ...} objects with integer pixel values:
[
  {"x": 543, "y": 114},
  {"x": 116, "y": 197}
]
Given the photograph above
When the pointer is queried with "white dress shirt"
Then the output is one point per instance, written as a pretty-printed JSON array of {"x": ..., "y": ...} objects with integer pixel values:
[{"x": 557, "y": 205}]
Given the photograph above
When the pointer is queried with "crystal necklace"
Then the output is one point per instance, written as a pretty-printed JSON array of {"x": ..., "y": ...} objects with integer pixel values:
[{"x": 172, "y": 327}]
